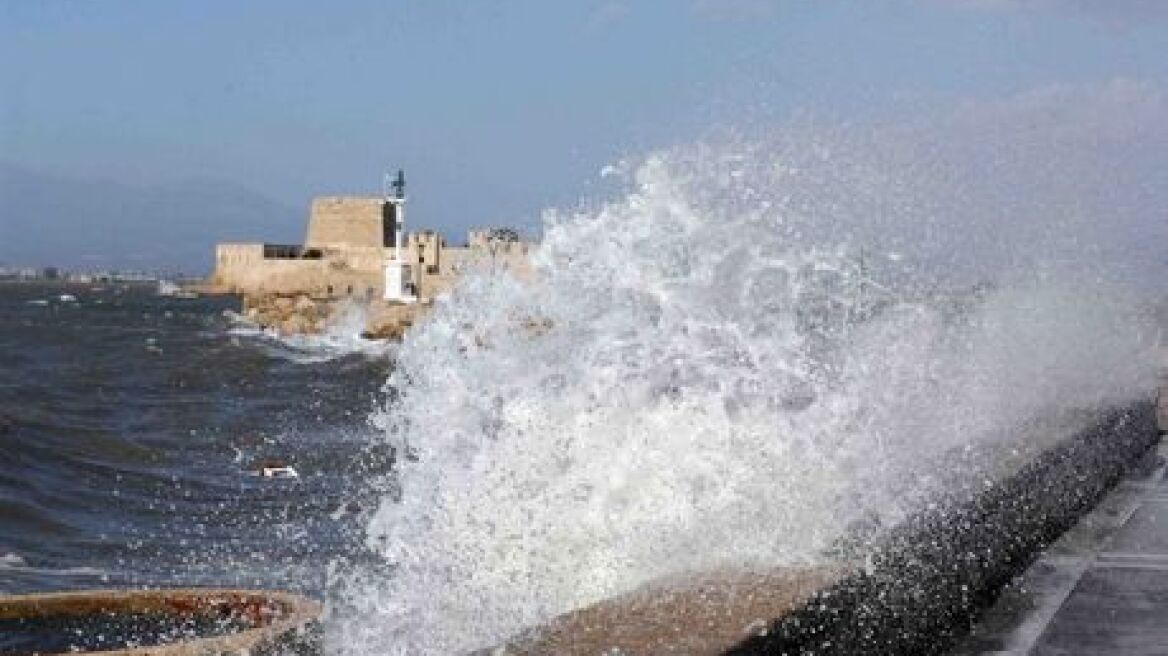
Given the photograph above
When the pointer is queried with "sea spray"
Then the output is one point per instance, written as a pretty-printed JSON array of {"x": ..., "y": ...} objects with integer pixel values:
[
  {"x": 342, "y": 337},
  {"x": 700, "y": 377}
]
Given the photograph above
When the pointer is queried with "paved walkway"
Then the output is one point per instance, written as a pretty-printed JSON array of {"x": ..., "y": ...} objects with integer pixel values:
[{"x": 1101, "y": 589}]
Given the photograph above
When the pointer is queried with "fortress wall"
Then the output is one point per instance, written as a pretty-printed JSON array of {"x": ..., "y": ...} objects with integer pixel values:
[
  {"x": 237, "y": 255},
  {"x": 346, "y": 221},
  {"x": 435, "y": 285},
  {"x": 511, "y": 256},
  {"x": 458, "y": 260},
  {"x": 424, "y": 251},
  {"x": 242, "y": 269},
  {"x": 346, "y": 244},
  {"x": 362, "y": 258},
  {"x": 233, "y": 262},
  {"x": 454, "y": 262}
]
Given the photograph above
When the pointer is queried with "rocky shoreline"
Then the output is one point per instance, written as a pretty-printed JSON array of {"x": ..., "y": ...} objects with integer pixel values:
[{"x": 301, "y": 314}]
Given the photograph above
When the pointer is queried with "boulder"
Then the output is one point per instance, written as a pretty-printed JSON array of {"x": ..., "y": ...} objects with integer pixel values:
[{"x": 394, "y": 330}]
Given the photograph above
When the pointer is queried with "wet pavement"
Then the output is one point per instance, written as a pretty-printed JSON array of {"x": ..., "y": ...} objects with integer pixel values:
[{"x": 1100, "y": 589}]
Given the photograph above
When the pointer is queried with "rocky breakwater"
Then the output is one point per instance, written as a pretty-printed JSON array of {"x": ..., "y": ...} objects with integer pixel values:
[
  {"x": 288, "y": 315},
  {"x": 301, "y": 314},
  {"x": 392, "y": 320}
]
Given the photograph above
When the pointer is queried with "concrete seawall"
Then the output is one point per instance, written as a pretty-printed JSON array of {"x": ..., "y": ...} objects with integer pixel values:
[
  {"x": 925, "y": 584},
  {"x": 936, "y": 572}
]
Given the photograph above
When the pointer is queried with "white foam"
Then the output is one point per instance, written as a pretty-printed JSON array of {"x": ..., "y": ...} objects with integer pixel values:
[
  {"x": 168, "y": 288},
  {"x": 15, "y": 562},
  {"x": 340, "y": 339},
  {"x": 693, "y": 382},
  {"x": 11, "y": 560}
]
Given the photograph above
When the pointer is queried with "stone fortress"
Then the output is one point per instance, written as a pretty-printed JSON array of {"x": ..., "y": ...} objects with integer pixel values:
[{"x": 356, "y": 252}]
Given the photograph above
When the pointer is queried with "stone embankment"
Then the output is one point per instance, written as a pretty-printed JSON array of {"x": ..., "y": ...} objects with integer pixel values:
[
  {"x": 301, "y": 314},
  {"x": 916, "y": 592}
]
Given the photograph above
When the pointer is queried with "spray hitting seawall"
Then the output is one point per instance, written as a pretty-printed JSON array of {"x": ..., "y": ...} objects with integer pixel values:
[{"x": 701, "y": 377}]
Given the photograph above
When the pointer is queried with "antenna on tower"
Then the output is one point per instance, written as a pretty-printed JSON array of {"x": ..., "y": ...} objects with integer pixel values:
[{"x": 399, "y": 185}]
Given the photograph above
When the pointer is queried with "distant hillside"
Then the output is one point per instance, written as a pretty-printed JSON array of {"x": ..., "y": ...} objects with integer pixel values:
[{"x": 86, "y": 223}]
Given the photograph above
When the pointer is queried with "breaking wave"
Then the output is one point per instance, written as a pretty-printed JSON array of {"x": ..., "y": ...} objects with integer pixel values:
[{"x": 710, "y": 372}]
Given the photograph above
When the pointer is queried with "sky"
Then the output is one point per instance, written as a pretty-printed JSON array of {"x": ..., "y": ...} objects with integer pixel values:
[{"x": 496, "y": 110}]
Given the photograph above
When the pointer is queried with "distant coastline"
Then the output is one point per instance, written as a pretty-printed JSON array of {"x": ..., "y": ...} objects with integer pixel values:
[{"x": 52, "y": 274}]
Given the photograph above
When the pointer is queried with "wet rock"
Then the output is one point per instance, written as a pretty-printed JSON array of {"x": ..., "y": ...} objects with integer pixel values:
[
  {"x": 208, "y": 621},
  {"x": 388, "y": 330},
  {"x": 294, "y": 325}
]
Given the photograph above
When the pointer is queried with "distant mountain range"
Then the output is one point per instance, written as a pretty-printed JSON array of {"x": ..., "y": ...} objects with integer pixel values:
[{"x": 87, "y": 224}]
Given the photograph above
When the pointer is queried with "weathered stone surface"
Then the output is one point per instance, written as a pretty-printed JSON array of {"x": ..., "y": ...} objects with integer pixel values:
[
  {"x": 348, "y": 221},
  {"x": 295, "y": 325},
  {"x": 303, "y": 315},
  {"x": 703, "y": 615},
  {"x": 392, "y": 321},
  {"x": 268, "y": 623}
]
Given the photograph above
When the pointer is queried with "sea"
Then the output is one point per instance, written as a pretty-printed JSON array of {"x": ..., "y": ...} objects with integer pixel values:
[{"x": 132, "y": 427}]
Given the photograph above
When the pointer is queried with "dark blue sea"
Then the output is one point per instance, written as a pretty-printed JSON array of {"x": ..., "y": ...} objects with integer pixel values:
[{"x": 130, "y": 424}]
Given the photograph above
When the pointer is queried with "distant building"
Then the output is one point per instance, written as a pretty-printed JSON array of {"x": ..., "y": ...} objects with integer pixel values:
[{"x": 357, "y": 247}]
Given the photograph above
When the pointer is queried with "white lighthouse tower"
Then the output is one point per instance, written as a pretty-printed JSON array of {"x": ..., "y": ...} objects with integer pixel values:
[{"x": 397, "y": 273}]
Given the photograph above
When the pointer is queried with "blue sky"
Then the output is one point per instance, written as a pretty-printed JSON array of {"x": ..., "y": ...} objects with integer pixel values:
[{"x": 499, "y": 109}]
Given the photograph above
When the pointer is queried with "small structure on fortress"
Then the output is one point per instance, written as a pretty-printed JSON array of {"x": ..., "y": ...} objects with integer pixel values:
[{"x": 357, "y": 249}]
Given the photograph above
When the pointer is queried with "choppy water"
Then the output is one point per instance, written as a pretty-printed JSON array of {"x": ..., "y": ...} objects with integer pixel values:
[{"x": 128, "y": 423}]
